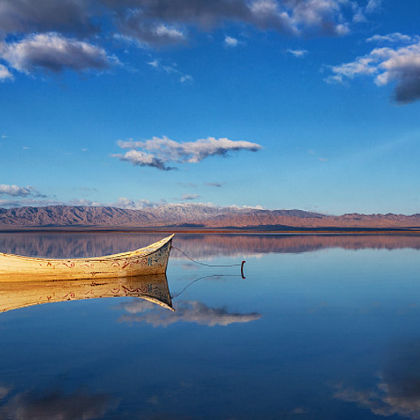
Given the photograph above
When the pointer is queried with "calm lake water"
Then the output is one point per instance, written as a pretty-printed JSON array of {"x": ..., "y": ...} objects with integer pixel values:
[{"x": 323, "y": 327}]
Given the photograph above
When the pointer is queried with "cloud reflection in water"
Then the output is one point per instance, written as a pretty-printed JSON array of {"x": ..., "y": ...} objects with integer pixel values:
[
  {"x": 54, "y": 405},
  {"x": 384, "y": 400},
  {"x": 186, "y": 311},
  {"x": 397, "y": 391}
]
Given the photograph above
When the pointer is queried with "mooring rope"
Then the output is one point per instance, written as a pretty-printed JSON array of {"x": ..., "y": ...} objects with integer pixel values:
[
  {"x": 204, "y": 264},
  {"x": 175, "y": 295}
]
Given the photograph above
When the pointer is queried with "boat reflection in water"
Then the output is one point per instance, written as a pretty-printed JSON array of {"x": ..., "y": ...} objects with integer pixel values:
[{"x": 152, "y": 288}]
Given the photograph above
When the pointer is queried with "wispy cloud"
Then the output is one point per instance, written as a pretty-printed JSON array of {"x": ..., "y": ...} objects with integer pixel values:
[
  {"x": 215, "y": 184},
  {"x": 17, "y": 191},
  {"x": 373, "y": 5},
  {"x": 187, "y": 185},
  {"x": 126, "y": 203},
  {"x": 189, "y": 197},
  {"x": 135, "y": 27},
  {"x": 313, "y": 153},
  {"x": 398, "y": 64},
  {"x": 5, "y": 74},
  {"x": 157, "y": 152},
  {"x": 28, "y": 202},
  {"x": 84, "y": 202},
  {"x": 395, "y": 37},
  {"x": 172, "y": 70},
  {"x": 231, "y": 42},
  {"x": 42, "y": 201},
  {"x": 297, "y": 53}
]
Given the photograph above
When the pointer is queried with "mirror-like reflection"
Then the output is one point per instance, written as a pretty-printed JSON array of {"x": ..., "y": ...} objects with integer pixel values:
[
  {"x": 153, "y": 288},
  {"x": 186, "y": 311},
  {"x": 395, "y": 390},
  {"x": 323, "y": 327},
  {"x": 152, "y": 259},
  {"x": 54, "y": 404},
  {"x": 94, "y": 244}
]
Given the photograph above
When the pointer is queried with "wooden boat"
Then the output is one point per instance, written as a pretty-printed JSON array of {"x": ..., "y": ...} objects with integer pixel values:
[
  {"x": 153, "y": 288},
  {"x": 152, "y": 259}
]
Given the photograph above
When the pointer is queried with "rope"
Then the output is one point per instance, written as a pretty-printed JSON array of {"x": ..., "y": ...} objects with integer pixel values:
[
  {"x": 203, "y": 264},
  {"x": 175, "y": 295}
]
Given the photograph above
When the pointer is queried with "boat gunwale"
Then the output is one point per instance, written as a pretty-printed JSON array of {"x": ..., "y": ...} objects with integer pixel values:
[{"x": 140, "y": 252}]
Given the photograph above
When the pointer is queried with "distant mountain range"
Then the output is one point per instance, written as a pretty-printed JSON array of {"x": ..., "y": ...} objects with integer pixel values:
[{"x": 195, "y": 216}]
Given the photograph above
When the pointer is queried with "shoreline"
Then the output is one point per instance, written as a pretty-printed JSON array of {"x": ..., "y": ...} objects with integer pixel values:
[{"x": 230, "y": 231}]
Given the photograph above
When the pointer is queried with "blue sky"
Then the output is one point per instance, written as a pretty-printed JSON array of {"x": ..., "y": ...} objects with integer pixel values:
[{"x": 309, "y": 104}]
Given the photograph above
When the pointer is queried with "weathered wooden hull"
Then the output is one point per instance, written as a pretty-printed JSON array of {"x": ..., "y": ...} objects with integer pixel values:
[
  {"x": 153, "y": 288},
  {"x": 150, "y": 260}
]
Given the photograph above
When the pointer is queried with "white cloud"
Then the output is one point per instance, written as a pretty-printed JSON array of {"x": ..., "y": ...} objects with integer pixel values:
[
  {"x": 135, "y": 25},
  {"x": 291, "y": 16},
  {"x": 17, "y": 191},
  {"x": 84, "y": 203},
  {"x": 186, "y": 78},
  {"x": 362, "y": 66},
  {"x": 154, "y": 63},
  {"x": 231, "y": 42},
  {"x": 297, "y": 53},
  {"x": 395, "y": 37},
  {"x": 42, "y": 201},
  {"x": 386, "y": 65},
  {"x": 157, "y": 152},
  {"x": 189, "y": 197},
  {"x": 172, "y": 33},
  {"x": 5, "y": 73},
  {"x": 139, "y": 158},
  {"x": 182, "y": 77},
  {"x": 325, "y": 16},
  {"x": 27, "y": 202},
  {"x": 126, "y": 203},
  {"x": 55, "y": 53},
  {"x": 57, "y": 35},
  {"x": 168, "y": 22},
  {"x": 373, "y": 5}
]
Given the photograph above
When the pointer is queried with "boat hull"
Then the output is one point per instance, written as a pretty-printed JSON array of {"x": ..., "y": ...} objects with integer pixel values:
[
  {"x": 15, "y": 295},
  {"x": 150, "y": 260}
]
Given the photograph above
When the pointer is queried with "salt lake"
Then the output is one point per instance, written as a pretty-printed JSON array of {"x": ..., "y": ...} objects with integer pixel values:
[{"x": 321, "y": 327}]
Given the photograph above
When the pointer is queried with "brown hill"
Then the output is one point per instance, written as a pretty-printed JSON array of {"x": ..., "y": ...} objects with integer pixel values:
[{"x": 198, "y": 216}]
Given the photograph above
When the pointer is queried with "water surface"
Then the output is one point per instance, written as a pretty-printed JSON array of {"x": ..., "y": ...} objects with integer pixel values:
[{"x": 322, "y": 327}]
